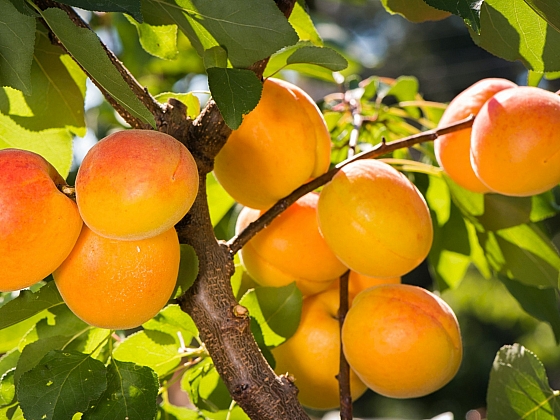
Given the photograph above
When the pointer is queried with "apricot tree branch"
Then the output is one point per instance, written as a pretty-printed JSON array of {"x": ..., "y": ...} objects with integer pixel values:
[
  {"x": 344, "y": 368},
  {"x": 237, "y": 242}
]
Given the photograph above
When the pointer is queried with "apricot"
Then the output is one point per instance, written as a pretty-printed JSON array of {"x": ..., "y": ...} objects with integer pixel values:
[
  {"x": 453, "y": 149},
  {"x": 117, "y": 284},
  {"x": 135, "y": 184},
  {"x": 515, "y": 143},
  {"x": 415, "y": 10},
  {"x": 39, "y": 225},
  {"x": 312, "y": 354},
  {"x": 290, "y": 249},
  {"x": 375, "y": 220},
  {"x": 281, "y": 144},
  {"x": 402, "y": 341},
  {"x": 358, "y": 282}
]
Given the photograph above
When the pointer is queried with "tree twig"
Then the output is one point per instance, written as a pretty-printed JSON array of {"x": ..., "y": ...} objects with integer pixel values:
[{"x": 344, "y": 368}]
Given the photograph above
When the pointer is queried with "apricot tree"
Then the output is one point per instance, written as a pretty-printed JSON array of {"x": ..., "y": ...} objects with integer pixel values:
[{"x": 215, "y": 334}]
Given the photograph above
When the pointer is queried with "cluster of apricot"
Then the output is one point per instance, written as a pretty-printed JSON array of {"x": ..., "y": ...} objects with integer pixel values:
[
  {"x": 400, "y": 340},
  {"x": 114, "y": 253},
  {"x": 513, "y": 147}
]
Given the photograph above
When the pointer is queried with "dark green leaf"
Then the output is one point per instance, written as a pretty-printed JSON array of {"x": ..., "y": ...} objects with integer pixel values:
[
  {"x": 132, "y": 7},
  {"x": 131, "y": 394},
  {"x": 519, "y": 389},
  {"x": 83, "y": 44},
  {"x": 28, "y": 304},
  {"x": 542, "y": 303},
  {"x": 62, "y": 384},
  {"x": 276, "y": 309},
  {"x": 158, "y": 40},
  {"x": 188, "y": 270},
  {"x": 469, "y": 10},
  {"x": 236, "y": 92},
  {"x": 23, "y": 7},
  {"x": 549, "y": 10},
  {"x": 320, "y": 56},
  {"x": 513, "y": 31},
  {"x": 17, "y": 39},
  {"x": 215, "y": 57}
]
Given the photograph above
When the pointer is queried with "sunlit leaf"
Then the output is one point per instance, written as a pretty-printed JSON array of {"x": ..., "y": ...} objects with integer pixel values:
[
  {"x": 158, "y": 40},
  {"x": 548, "y": 10},
  {"x": 302, "y": 23},
  {"x": 173, "y": 321},
  {"x": 7, "y": 388},
  {"x": 219, "y": 200},
  {"x": 319, "y": 56},
  {"x": 188, "y": 270},
  {"x": 191, "y": 101}
]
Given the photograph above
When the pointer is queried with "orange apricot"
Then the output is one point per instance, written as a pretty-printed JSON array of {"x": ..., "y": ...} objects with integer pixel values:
[
  {"x": 134, "y": 184},
  {"x": 117, "y": 284},
  {"x": 39, "y": 225},
  {"x": 453, "y": 149},
  {"x": 312, "y": 354},
  {"x": 375, "y": 220},
  {"x": 402, "y": 341},
  {"x": 515, "y": 144},
  {"x": 281, "y": 144},
  {"x": 290, "y": 249}
]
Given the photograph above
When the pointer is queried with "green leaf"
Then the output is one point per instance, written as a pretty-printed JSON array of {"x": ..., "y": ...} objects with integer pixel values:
[
  {"x": 23, "y": 7},
  {"x": 547, "y": 9},
  {"x": 7, "y": 387},
  {"x": 131, "y": 394},
  {"x": 513, "y": 31},
  {"x": 157, "y": 40},
  {"x": 17, "y": 38},
  {"x": 302, "y": 23},
  {"x": 173, "y": 321},
  {"x": 191, "y": 101},
  {"x": 62, "y": 384},
  {"x": 277, "y": 311},
  {"x": 83, "y": 44},
  {"x": 542, "y": 303},
  {"x": 155, "y": 349},
  {"x": 249, "y": 30},
  {"x": 215, "y": 57},
  {"x": 28, "y": 304},
  {"x": 173, "y": 412},
  {"x": 236, "y": 92},
  {"x": 12, "y": 335},
  {"x": 9, "y": 361},
  {"x": 319, "y": 56},
  {"x": 519, "y": 389},
  {"x": 219, "y": 200},
  {"x": 188, "y": 270},
  {"x": 534, "y": 78},
  {"x": 205, "y": 387},
  {"x": 469, "y": 10},
  {"x": 132, "y": 7}
]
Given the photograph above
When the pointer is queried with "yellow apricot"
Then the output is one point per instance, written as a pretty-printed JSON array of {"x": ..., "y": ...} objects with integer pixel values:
[
  {"x": 134, "y": 184},
  {"x": 375, "y": 220},
  {"x": 402, "y": 341},
  {"x": 453, "y": 149},
  {"x": 515, "y": 144},
  {"x": 312, "y": 354},
  {"x": 39, "y": 225},
  {"x": 290, "y": 249},
  {"x": 281, "y": 144},
  {"x": 117, "y": 284},
  {"x": 415, "y": 10}
]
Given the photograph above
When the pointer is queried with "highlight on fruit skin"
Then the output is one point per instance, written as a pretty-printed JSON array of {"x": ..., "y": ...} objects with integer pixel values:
[
  {"x": 39, "y": 225},
  {"x": 117, "y": 284},
  {"x": 453, "y": 150},
  {"x": 134, "y": 184},
  {"x": 312, "y": 354},
  {"x": 402, "y": 341},
  {"x": 515, "y": 143},
  {"x": 290, "y": 249},
  {"x": 281, "y": 144},
  {"x": 375, "y": 220}
]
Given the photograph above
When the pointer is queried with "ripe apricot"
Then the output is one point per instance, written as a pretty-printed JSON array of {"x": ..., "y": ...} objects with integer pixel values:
[
  {"x": 117, "y": 284},
  {"x": 453, "y": 149},
  {"x": 39, "y": 225},
  {"x": 415, "y": 10},
  {"x": 290, "y": 249},
  {"x": 515, "y": 144},
  {"x": 135, "y": 184},
  {"x": 375, "y": 220},
  {"x": 281, "y": 144},
  {"x": 312, "y": 354},
  {"x": 401, "y": 340}
]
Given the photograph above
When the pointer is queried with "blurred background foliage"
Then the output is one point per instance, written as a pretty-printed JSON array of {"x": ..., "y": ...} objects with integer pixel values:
[{"x": 442, "y": 60}]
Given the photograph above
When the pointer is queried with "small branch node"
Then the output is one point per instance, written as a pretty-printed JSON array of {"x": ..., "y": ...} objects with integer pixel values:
[{"x": 240, "y": 311}]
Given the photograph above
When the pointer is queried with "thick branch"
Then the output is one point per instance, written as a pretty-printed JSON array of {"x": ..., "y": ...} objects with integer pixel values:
[{"x": 237, "y": 242}]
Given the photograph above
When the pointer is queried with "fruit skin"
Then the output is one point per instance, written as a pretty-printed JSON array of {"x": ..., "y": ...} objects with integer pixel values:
[
  {"x": 134, "y": 184},
  {"x": 39, "y": 225},
  {"x": 312, "y": 354},
  {"x": 375, "y": 220},
  {"x": 402, "y": 341},
  {"x": 453, "y": 149},
  {"x": 281, "y": 144},
  {"x": 290, "y": 249},
  {"x": 416, "y": 11},
  {"x": 515, "y": 143},
  {"x": 117, "y": 284}
]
